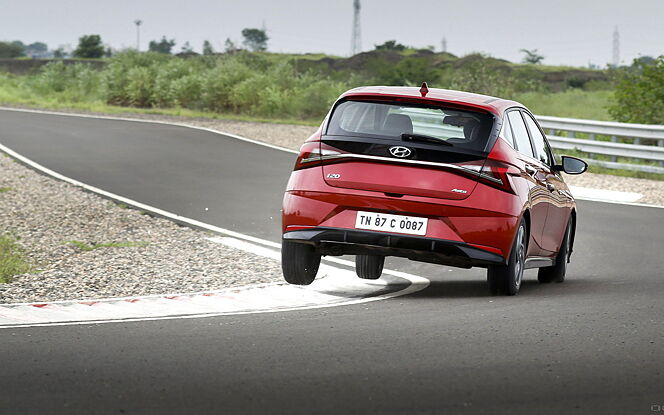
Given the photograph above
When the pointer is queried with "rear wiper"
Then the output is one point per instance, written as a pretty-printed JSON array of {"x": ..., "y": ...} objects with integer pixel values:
[{"x": 424, "y": 138}]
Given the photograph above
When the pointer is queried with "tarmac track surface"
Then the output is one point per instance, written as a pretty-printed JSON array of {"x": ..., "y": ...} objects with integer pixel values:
[{"x": 594, "y": 344}]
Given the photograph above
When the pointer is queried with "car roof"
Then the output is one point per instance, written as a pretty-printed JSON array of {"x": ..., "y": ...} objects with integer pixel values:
[{"x": 489, "y": 103}]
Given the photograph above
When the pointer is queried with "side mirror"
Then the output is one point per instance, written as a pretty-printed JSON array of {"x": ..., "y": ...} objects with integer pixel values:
[{"x": 572, "y": 165}]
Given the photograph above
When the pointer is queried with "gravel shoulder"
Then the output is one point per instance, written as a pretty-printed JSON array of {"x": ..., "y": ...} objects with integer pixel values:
[{"x": 47, "y": 215}]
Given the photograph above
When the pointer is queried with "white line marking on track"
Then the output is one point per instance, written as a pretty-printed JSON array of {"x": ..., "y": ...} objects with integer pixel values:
[
  {"x": 249, "y": 140},
  {"x": 334, "y": 287},
  {"x": 177, "y": 124},
  {"x": 604, "y": 195},
  {"x": 338, "y": 287}
]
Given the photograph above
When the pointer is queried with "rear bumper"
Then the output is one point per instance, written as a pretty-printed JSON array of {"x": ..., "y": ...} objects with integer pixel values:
[{"x": 335, "y": 241}]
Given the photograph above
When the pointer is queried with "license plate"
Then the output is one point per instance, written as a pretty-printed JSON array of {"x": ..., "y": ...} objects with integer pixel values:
[{"x": 391, "y": 223}]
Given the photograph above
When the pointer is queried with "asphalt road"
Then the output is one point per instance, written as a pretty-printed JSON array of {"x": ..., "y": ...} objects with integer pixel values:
[{"x": 594, "y": 344}]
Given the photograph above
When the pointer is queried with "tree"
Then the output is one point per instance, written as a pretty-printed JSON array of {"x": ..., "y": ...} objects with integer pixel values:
[
  {"x": 643, "y": 61},
  {"x": 89, "y": 46},
  {"x": 19, "y": 44},
  {"x": 37, "y": 49},
  {"x": 186, "y": 48},
  {"x": 532, "y": 57},
  {"x": 229, "y": 46},
  {"x": 10, "y": 50},
  {"x": 207, "y": 48},
  {"x": 59, "y": 53},
  {"x": 391, "y": 45},
  {"x": 639, "y": 93},
  {"x": 163, "y": 46},
  {"x": 255, "y": 39}
]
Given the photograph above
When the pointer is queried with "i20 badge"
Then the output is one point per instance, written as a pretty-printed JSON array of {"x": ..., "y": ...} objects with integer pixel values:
[
  {"x": 400, "y": 151},
  {"x": 334, "y": 176}
]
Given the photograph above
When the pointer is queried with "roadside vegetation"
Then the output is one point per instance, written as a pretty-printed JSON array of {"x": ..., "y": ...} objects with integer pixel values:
[
  {"x": 12, "y": 259},
  {"x": 639, "y": 92},
  {"x": 255, "y": 85},
  {"x": 267, "y": 86}
]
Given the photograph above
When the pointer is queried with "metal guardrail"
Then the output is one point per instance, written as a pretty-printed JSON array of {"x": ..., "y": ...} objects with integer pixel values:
[{"x": 633, "y": 141}]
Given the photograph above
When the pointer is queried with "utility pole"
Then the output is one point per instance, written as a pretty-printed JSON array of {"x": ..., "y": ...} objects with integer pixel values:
[
  {"x": 444, "y": 45},
  {"x": 356, "y": 41},
  {"x": 616, "y": 47},
  {"x": 138, "y": 23}
]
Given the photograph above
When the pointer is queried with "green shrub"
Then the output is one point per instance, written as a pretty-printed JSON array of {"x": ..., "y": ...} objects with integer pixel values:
[
  {"x": 409, "y": 71},
  {"x": 279, "y": 86},
  {"x": 129, "y": 78},
  {"x": 218, "y": 83},
  {"x": 639, "y": 93},
  {"x": 73, "y": 82},
  {"x": 481, "y": 78},
  {"x": 138, "y": 91},
  {"x": 186, "y": 91}
]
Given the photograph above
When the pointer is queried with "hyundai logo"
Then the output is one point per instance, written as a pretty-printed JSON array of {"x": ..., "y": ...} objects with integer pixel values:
[{"x": 400, "y": 152}]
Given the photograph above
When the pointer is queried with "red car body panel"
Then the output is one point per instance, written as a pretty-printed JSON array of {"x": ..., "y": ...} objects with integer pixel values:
[{"x": 460, "y": 208}]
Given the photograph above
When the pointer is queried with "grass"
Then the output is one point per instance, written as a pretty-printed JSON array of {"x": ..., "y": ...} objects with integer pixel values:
[
  {"x": 5, "y": 189},
  {"x": 626, "y": 173},
  {"x": 12, "y": 259},
  {"x": 573, "y": 103},
  {"x": 162, "y": 86},
  {"x": 86, "y": 247},
  {"x": 614, "y": 172},
  {"x": 101, "y": 107}
]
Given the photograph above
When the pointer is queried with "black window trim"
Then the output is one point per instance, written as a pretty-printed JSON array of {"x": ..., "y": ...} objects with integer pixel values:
[
  {"x": 519, "y": 110},
  {"x": 506, "y": 122},
  {"x": 547, "y": 146}
]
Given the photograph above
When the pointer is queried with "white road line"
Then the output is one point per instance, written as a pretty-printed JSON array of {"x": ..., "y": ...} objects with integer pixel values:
[
  {"x": 177, "y": 124},
  {"x": 260, "y": 143},
  {"x": 604, "y": 195},
  {"x": 138, "y": 205},
  {"x": 335, "y": 287},
  {"x": 323, "y": 292}
]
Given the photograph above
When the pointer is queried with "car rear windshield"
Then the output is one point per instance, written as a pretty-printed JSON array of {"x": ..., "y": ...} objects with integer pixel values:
[{"x": 404, "y": 122}]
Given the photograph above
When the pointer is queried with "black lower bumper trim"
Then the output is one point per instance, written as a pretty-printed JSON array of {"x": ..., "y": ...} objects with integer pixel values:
[{"x": 334, "y": 241}]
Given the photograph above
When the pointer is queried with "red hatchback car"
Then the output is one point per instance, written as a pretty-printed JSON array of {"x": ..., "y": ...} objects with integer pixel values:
[{"x": 432, "y": 175}]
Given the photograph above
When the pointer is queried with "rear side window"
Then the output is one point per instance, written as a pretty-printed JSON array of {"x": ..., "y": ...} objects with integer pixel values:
[
  {"x": 520, "y": 133},
  {"x": 538, "y": 140},
  {"x": 506, "y": 133},
  {"x": 390, "y": 121}
]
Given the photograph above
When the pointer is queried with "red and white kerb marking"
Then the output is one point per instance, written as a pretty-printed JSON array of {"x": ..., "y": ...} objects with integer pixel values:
[{"x": 334, "y": 287}]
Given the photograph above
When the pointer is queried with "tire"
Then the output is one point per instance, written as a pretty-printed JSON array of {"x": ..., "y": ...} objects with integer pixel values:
[
  {"x": 506, "y": 279},
  {"x": 369, "y": 267},
  {"x": 557, "y": 272},
  {"x": 299, "y": 262}
]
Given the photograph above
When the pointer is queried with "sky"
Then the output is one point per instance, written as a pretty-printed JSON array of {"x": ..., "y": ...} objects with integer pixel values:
[{"x": 566, "y": 32}]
